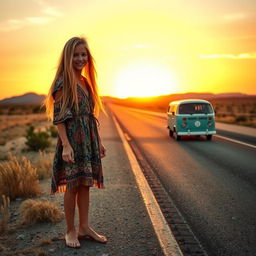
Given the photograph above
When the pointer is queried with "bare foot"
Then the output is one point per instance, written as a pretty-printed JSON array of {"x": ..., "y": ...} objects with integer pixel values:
[
  {"x": 91, "y": 234},
  {"x": 71, "y": 240}
]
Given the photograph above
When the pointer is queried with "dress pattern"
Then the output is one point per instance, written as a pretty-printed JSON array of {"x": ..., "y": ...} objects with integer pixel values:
[{"x": 82, "y": 133}]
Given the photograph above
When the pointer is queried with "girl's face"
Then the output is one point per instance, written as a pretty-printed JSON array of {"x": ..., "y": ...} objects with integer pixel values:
[{"x": 80, "y": 57}]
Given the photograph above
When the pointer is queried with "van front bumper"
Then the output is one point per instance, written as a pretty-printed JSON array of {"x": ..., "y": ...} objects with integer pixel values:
[{"x": 197, "y": 133}]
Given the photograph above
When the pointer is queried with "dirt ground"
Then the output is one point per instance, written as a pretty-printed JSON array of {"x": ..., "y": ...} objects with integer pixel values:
[{"x": 28, "y": 240}]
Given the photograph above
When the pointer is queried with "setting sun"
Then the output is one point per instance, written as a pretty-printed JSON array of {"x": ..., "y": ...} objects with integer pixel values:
[{"x": 144, "y": 80}]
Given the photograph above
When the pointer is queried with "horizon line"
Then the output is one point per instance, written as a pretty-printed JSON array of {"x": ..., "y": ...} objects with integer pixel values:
[{"x": 190, "y": 92}]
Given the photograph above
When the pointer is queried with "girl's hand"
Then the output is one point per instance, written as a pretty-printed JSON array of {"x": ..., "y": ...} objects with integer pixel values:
[
  {"x": 102, "y": 151},
  {"x": 68, "y": 154}
]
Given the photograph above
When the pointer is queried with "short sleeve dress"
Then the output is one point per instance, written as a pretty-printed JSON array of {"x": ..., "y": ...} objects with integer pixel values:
[{"x": 82, "y": 133}]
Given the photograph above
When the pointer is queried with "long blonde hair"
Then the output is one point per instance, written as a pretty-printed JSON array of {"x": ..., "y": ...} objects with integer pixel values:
[{"x": 65, "y": 72}]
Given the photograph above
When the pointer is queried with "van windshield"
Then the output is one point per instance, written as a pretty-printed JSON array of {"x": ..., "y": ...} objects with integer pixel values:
[{"x": 195, "y": 108}]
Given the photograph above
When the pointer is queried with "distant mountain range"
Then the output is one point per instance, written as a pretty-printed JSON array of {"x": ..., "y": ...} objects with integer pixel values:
[
  {"x": 28, "y": 98},
  {"x": 180, "y": 96},
  {"x": 33, "y": 98}
]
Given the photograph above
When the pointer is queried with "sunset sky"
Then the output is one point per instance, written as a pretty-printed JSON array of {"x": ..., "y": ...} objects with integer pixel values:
[{"x": 141, "y": 47}]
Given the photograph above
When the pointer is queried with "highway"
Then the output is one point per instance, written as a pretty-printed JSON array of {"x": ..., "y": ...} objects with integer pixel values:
[{"x": 212, "y": 183}]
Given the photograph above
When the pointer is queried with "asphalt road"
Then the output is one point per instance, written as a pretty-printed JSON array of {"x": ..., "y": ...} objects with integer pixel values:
[{"x": 213, "y": 183}]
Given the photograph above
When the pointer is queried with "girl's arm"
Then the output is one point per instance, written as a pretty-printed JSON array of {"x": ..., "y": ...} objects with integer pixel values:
[
  {"x": 102, "y": 149},
  {"x": 67, "y": 152}
]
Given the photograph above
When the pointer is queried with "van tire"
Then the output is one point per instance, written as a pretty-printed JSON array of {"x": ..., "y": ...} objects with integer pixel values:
[
  {"x": 177, "y": 137},
  {"x": 209, "y": 137},
  {"x": 170, "y": 133}
]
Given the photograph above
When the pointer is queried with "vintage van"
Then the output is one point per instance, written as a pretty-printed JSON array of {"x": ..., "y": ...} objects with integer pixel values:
[{"x": 191, "y": 117}]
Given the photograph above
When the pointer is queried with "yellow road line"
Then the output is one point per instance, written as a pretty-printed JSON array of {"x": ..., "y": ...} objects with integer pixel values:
[{"x": 165, "y": 237}]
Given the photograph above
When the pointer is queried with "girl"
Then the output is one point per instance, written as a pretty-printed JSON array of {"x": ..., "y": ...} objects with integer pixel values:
[{"x": 72, "y": 103}]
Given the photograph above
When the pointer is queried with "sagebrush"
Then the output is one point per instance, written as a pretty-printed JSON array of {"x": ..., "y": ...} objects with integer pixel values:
[
  {"x": 32, "y": 211},
  {"x": 18, "y": 178},
  {"x": 37, "y": 140},
  {"x": 44, "y": 165},
  {"x": 53, "y": 131}
]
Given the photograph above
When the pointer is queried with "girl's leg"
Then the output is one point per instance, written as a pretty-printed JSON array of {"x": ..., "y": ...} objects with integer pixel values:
[
  {"x": 83, "y": 209},
  {"x": 69, "y": 209},
  {"x": 83, "y": 206}
]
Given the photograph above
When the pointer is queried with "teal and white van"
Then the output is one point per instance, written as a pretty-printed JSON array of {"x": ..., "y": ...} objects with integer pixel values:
[{"x": 191, "y": 117}]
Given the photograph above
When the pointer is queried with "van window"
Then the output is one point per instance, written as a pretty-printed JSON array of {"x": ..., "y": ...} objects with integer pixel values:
[{"x": 195, "y": 108}]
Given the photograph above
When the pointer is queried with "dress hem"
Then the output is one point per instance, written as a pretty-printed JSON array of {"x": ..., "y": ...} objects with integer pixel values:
[{"x": 63, "y": 187}]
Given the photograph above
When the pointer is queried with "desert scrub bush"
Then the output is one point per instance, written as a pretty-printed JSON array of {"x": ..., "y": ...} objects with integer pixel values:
[
  {"x": 4, "y": 214},
  {"x": 53, "y": 131},
  {"x": 18, "y": 178},
  {"x": 38, "y": 109},
  {"x": 37, "y": 140},
  {"x": 32, "y": 211},
  {"x": 241, "y": 119},
  {"x": 44, "y": 165},
  {"x": 12, "y": 110}
]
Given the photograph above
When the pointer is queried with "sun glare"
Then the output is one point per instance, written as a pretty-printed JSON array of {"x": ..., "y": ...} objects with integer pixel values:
[{"x": 143, "y": 80}]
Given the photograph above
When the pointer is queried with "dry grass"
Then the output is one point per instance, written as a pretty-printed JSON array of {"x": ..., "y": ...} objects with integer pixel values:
[
  {"x": 236, "y": 111},
  {"x": 44, "y": 165},
  {"x": 12, "y": 133},
  {"x": 13, "y": 126},
  {"x": 32, "y": 212},
  {"x": 4, "y": 214},
  {"x": 18, "y": 178},
  {"x": 10, "y": 121}
]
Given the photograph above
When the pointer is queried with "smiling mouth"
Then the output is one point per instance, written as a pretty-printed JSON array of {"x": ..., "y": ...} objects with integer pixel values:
[{"x": 80, "y": 64}]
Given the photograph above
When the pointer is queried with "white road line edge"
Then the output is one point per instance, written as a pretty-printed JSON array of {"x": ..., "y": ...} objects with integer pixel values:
[
  {"x": 235, "y": 141},
  {"x": 165, "y": 237}
]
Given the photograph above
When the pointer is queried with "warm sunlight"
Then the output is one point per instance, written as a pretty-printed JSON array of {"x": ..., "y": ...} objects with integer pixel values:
[
  {"x": 144, "y": 80},
  {"x": 141, "y": 48}
]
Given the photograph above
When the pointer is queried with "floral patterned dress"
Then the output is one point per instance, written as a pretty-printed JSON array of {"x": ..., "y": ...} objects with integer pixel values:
[{"x": 82, "y": 133}]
